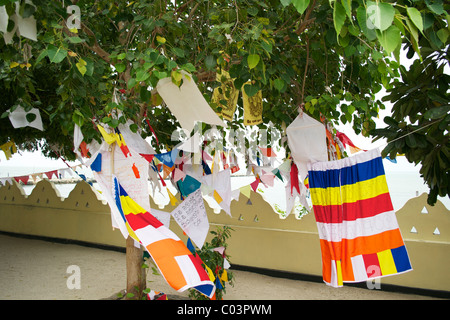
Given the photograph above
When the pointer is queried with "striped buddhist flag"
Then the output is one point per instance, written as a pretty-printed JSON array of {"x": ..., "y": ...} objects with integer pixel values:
[
  {"x": 179, "y": 267},
  {"x": 359, "y": 234}
]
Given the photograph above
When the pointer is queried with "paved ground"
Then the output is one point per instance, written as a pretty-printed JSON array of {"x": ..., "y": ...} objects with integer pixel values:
[{"x": 42, "y": 270}]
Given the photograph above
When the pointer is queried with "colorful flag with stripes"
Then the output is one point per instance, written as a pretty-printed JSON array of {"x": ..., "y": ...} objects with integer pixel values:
[
  {"x": 179, "y": 267},
  {"x": 359, "y": 234}
]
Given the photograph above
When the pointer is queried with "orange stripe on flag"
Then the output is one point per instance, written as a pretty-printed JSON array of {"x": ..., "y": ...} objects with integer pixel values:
[
  {"x": 164, "y": 251},
  {"x": 353, "y": 247}
]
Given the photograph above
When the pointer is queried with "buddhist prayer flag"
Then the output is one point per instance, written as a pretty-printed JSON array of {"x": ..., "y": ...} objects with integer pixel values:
[
  {"x": 253, "y": 107},
  {"x": 187, "y": 103},
  {"x": 359, "y": 234},
  {"x": 226, "y": 93},
  {"x": 179, "y": 267}
]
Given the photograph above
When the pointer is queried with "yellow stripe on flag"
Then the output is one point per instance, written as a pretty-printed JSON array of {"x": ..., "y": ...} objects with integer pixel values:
[
  {"x": 131, "y": 232},
  {"x": 217, "y": 197},
  {"x": 349, "y": 193},
  {"x": 387, "y": 263},
  {"x": 339, "y": 273},
  {"x": 130, "y": 207}
]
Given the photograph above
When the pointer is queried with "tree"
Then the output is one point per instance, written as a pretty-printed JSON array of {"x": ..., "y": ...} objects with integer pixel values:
[
  {"x": 329, "y": 58},
  {"x": 422, "y": 97}
]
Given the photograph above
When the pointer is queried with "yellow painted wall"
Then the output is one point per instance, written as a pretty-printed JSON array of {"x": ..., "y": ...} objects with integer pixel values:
[{"x": 260, "y": 238}]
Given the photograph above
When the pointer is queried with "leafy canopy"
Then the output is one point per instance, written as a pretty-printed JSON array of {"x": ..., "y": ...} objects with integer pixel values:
[{"x": 329, "y": 57}]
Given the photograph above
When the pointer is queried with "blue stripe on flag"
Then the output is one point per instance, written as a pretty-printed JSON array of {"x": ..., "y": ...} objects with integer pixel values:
[
  {"x": 117, "y": 192},
  {"x": 206, "y": 289},
  {"x": 401, "y": 259},
  {"x": 348, "y": 175}
]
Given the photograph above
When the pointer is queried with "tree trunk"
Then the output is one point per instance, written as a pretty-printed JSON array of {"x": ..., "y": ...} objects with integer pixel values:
[{"x": 136, "y": 277}]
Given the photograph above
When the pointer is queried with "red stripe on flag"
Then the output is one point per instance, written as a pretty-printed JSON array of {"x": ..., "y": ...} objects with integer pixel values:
[
  {"x": 141, "y": 220},
  {"x": 372, "y": 265},
  {"x": 354, "y": 210},
  {"x": 198, "y": 266}
]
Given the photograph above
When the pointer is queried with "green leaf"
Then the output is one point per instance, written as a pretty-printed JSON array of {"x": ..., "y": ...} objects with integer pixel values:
[
  {"x": 347, "y": 4},
  {"x": 176, "y": 77},
  {"x": 131, "y": 83},
  {"x": 443, "y": 35},
  {"x": 253, "y": 60},
  {"x": 300, "y": 5},
  {"x": 75, "y": 40},
  {"x": 189, "y": 67},
  {"x": 415, "y": 17},
  {"x": 361, "y": 15},
  {"x": 339, "y": 17},
  {"x": 251, "y": 89},
  {"x": 379, "y": 15},
  {"x": 28, "y": 10},
  {"x": 120, "y": 67},
  {"x": 285, "y": 3},
  {"x": 30, "y": 117},
  {"x": 390, "y": 39},
  {"x": 89, "y": 67},
  {"x": 121, "y": 56},
  {"x": 41, "y": 56},
  {"x": 178, "y": 52},
  {"x": 142, "y": 75},
  {"x": 160, "y": 39},
  {"x": 134, "y": 127},
  {"x": 78, "y": 118},
  {"x": 435, "y": 6},
  {"x": 278, "y": 84},
  {"x": 437, "y": 112},
  {"x": 266, "y": 46},
  {"x": 210, "y": 62},
  {"x": 81, "y": 66},
  {"x": 56, "y": 55},
  {"x": 411, "y": 141}
]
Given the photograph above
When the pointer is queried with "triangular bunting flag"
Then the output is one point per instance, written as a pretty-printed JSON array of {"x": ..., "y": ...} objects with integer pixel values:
[
  {"x": 148, "y": 157},
  {"x": 210, "y": 273},
  {"x": 268, "y": 152},
  {"x": 178, "y": 174},
  {"x": 50, "y": 174},
  {"x": 224, "y": 276},
  {"x": 245, "y": 190},
  {"x": 285, "y": 166},
  {"x": 255, "y": 184},
  {"x": 167, "y": 170},
  {"x": 226, "y": 264},
  {"x": 294, "y": 178},
  {"x": 172, "y": 198},
  {"x": 268, "y": 179},
  {"x": 188, "y": 185},
  {"x": 108, "y": 137},
  {"x": 24, "y": 179},
  {"x": 165, "y": 158},
  {"x": 277, "y": 173},
  {"x": 219, "y": 284}
]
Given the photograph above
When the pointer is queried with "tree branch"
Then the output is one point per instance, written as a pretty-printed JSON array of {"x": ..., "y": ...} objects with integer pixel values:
[
  {"x": 306, "y": 69},
  {"x": 307, "y": 21},
  {"x": 96, "y": 47}
]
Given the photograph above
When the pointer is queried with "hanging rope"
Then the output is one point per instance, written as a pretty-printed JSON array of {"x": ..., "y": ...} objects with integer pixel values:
[{"x": 405, "y": 135}]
